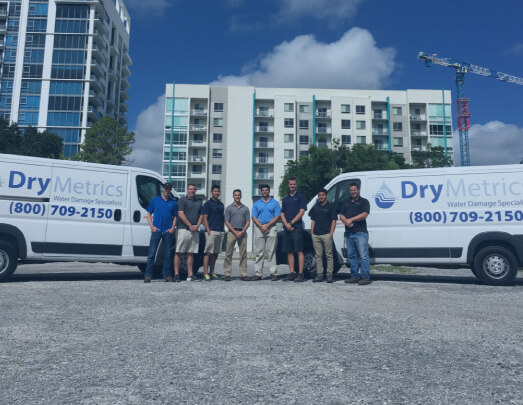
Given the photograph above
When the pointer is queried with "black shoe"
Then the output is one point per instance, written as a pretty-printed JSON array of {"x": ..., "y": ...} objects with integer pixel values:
[
  {"x": 300, "y": 278},
  {"x": 364, "y": 281},
  {"x": 147, "y": 280},
  {"x": 290, "y": 277},
  {"x": 245, "y": 278},
  {"x": 318, "y": 278},
  {"x": 352, "y": 280},
  {"x": 256, "y": 278},
  {"x": 227, "y": 278},
  {"x": 330, "y": 278},
  {"x": 274, "y": 277},
  {"x": 176, "y": 278},
  {"x": 168, "y": 279}
]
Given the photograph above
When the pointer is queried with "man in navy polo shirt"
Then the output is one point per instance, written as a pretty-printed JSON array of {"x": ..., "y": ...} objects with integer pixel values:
[
  {"x": 161, "y": 216},
  {"x": 213, "y": 219},
  {"x": 292, "y": 209}
]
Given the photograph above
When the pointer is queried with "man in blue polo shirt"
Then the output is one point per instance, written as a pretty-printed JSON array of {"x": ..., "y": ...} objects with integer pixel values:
[
  {"x": 213, "y": 219},
  {"x": 265, "y": 213},
  {"x": 161, "y": 216}
]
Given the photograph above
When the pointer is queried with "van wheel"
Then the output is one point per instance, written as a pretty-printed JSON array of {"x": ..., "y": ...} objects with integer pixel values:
[
  {"x": 8, "y": 260},
  {"x": 495, "y": 265},
  {"x": 309, "y": 264},
  {"x": 142, "y": 267}
]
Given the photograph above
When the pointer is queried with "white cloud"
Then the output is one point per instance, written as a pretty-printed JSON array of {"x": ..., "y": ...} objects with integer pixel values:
[
  {"x": 494, "y": 143},
  {"x": 332, "y": 10},
  {"x": 354, "y": 61},
  {"x": 142, "y": 7},
  {"x": 147, "y": 152},
  {"x": 517, "y": 49}
]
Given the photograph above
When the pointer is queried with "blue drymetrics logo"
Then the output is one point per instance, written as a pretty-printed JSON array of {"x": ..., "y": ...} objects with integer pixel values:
[{"x": 384, "y": 197}]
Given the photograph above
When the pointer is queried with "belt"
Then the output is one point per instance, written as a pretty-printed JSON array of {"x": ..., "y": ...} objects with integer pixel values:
[{"x": 238, "y": 229}]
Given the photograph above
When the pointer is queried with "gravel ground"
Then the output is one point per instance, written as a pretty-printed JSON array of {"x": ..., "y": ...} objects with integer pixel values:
[{"x": 75, "y": 333}]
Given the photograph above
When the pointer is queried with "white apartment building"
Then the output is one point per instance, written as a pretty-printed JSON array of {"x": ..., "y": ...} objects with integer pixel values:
[
  {"x": 64, "y": 64},
  {"x": 242, "y": 137}
]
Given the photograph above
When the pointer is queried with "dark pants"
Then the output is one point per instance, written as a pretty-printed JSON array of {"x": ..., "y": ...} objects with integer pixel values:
[{"x": 167, "y": 238}]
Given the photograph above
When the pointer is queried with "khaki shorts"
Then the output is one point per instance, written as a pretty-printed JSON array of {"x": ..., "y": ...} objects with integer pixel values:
[
  {"x": 187, "y": 241},
  {"x": 213, "y": 242}
]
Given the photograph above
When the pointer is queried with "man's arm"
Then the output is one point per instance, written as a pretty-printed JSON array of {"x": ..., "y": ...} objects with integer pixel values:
[
  {"x": 184, "y": 219},
  {"x": 150, "y": 221},
  {"x": 173, "y": 227},
  {"x": 206, "y": 224},
  {"x": 312, "y": 226}
]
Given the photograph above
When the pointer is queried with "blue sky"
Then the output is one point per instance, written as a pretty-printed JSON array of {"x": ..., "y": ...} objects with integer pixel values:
[{"x": 329, "y": 44}]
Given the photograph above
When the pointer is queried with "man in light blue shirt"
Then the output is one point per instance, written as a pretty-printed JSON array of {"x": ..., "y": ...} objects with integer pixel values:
[{"x": 265, "y": 213}]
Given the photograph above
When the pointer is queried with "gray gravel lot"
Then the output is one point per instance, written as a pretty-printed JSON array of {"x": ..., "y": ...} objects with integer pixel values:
[{"x": 76, "y": 333}]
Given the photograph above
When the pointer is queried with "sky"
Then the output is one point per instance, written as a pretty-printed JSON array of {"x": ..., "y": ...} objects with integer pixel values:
[{"x": 347, "y": 44}]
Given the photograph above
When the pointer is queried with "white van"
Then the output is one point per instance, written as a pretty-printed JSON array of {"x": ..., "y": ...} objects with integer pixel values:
[
  {"x": 59, "y": 210},
  {"x": 447, "y": 217}
]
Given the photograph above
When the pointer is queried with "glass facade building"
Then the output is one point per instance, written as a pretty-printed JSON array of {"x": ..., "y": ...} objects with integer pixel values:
[{"x": 64, "y": 64}]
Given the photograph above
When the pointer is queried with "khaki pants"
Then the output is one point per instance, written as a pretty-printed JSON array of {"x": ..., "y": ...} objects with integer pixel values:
[
  {"x": 323, "y": 243},
  {"x": 265, "y": 242},
  {"x": 229, "y": 250}
]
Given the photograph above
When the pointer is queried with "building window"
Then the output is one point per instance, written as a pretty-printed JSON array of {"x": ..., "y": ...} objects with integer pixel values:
[
  {"x": 345, "y": 139},
  {"x": 345, "y": 124},
  {"x": 396, "y": 110},
  {"x": 218, "y": 122},
  {"x": 361, "y": 139},
  {"x": 197, "y": 138},
  {"x": 438, "y": 130},
  {"x": 288, "y": 107},
  {"x": 345, "y": 108},
  {"x": 304, "y": 153},
  {"x": 397, "y": 126},
  {"x": 288, "y": 122},
  {"x": 288, "y": 154},
  {"x": 217, "y": 153},
  {"x": 288, "y": 137},
  {"x": 304, "y": 124},
  {"x": 197, "y": 169},
  {"x": 217, "y": 138},
  {"x": 398, "y": 142},
  {"x": 304, "y": 108},
  {"x": 360, "y": 109},
  {"x": 218, "y": 107},
  {"x": 360, "y": 125},
  {"x": 216, "y": 169},
  {"x": 304, "y": 139}
]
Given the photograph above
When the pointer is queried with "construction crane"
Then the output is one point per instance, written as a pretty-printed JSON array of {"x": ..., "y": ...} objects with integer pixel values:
[{"x": 462, "y": 102}]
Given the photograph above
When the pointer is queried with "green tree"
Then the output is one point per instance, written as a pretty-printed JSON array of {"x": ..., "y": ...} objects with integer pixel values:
[
  {"x": 10, "y": 138},
  {"x": 434, "y": 156},
  {"x": 106, "y": 142},
  {"x": 41, "y": 144}
]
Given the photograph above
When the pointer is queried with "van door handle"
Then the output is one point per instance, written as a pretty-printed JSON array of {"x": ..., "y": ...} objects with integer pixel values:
[
  {"x": 137, "y": 216},
  {"x": 117, "y": 215}
]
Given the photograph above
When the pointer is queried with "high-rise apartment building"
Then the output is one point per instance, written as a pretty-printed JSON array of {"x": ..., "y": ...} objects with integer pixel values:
[
  {"x": 242, "y": 137},
  {"x": 63, "y": 64}
]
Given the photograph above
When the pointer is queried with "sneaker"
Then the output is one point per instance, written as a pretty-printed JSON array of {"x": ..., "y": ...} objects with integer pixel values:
[
  {"x": 227, "y": 278},
  {"x": 352, "y": 280},
  {"x": 206, "y": 277},
  {"x": 290, "y": 277},
  {"x": 176, "y": 278},
  {"x": 299, "y": 278},
  {"x": 147, "y": 280},
  {"x": 168, "y": 279},
  {"x": 318, "y": 278},
  {"x": 364, "y": 281},
  {"x": 245, "y": 278},
  {"x": 193, "y": 278},
  {"x": 274, "y": 277},
  {"x": 330, "y": 278},
  {"x": 215, "y": 277},
  {"x": 256, "y": 278}
]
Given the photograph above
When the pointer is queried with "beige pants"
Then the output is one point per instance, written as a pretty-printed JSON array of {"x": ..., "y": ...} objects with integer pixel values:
[
  {"x": 229, "y": 250},
  {"x": 265, "y": 243},
  {"x": 323, "y": 243}
]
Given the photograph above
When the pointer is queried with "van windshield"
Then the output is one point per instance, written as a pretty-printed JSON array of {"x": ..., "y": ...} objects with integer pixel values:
[{"x": 148, "y": 188}]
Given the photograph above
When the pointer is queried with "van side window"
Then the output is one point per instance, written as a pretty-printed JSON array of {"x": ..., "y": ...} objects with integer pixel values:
[
  {"x": 340, "y": 192},
  {"x": 148, "y": 188}
]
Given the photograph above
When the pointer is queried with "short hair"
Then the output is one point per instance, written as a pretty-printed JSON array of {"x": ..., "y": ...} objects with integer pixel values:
[
  {"x": 191, "y": 184},
  {"x": 292, "y": 178},
  {"x": 167, "y": 186},
  {"x": 262, "y": 186},
  {"x": 215, "y": 186},
  {"x": 322, "y": 190},
  {"x": 354, "y": 184},
  {"x": 236, "y": 191}
]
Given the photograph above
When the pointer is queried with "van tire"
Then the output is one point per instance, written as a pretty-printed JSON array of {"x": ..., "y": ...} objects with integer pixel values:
[
  {"x": 495, "y": 265},
  {"x": 8, "y": 260},
  {"x": 310, "y": 268}
]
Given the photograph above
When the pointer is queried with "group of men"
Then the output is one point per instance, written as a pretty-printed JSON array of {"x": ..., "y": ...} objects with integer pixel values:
[{"x": 165, "y": 215}]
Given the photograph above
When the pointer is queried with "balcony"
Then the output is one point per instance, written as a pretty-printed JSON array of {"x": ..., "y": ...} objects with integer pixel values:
[
  {"x": 93, "y": 113},
  {"x": 418, "y": 148},
  {"x": 418, "y": 133},
  {"x": 97, "y": 69},
  {"x": 381, "y": 146},
  {"x": 197, "y": 158},
  {"x": 199, "y": 112},
  {"x": 263, "y": 176},
  {"x": 114, "y": 50},
  {"x": 112, "y": 75},
  {"x": 323, "y": 130},
  {"x": 127, "y": 58},
  {"x": 197, "y": 144},
  {"x": 380, "y": 131},
  {"x": 197, "y": 175},
  {"x": 418, "y": 117},
  {"x": 124, "y": 96},
  {"x": 98, "y": 55},
  {"x": 124, "y": 83},
  {"x": 264, "y": 160},
  {"x": 323, "y": 114},
  {"x": 123, "y": 107},
  {"x": 100, "y": 25},
  {"x": 122, "y": 119},
  {"x": 263, "y": 145},
  {"x": 96, "y": 99},
  {"x": 379, "y": 115},
  {"x": 198, "y": 127},
  {"x": 3, "y": 27},
  {"x": 125, "y": 71},
  {"x": 264, "y": 128},
  {"x": 264, "y": 113}
]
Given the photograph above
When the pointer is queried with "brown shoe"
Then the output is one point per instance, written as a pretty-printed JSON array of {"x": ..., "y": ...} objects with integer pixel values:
[
  {"x": 290, "y": 277},
  {"x": 227, "y": 278},
  {"x": 299, "y": 278},
  {"x": 364, "y": 281},
  {"x": 352, "y": 280},
  {"x": 274, "y": 277},
  {"x": 245, "y": 278},
  {"x": 256, "y": 278}
]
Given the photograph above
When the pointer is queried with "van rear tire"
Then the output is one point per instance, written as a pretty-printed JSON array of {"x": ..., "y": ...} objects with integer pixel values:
[
  {"x": 8, "y": 260},
  {"x": 495, "y": 265}
]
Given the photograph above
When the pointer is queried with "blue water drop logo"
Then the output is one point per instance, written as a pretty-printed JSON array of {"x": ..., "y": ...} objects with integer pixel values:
[{"x": 384, "y": 197}]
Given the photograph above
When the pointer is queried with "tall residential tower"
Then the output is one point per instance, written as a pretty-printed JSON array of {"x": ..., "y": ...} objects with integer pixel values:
[{"x": 64, "y": 64}]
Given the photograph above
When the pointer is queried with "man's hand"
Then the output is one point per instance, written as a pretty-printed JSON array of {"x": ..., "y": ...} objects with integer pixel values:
[
  {"x": 289, "y": 227},
  {"x": 154, "y": 229},
  {"x": 193, "y": 228},
  {"x": 171, "y": 230},
  {"x": 238, "y": 234},
  {"x": 264, "y": 228}
]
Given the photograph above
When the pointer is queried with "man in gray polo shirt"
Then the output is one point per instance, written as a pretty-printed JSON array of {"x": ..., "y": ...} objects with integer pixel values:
[
  {"x": 188, "y": 237},
  {"x": 237, "y": 220}
]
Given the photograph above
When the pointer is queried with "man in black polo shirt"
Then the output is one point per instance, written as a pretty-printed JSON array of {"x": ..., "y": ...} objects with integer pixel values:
[
  {"x": 213, "y": 220},
  {"x": 323, "y": 223},
  {"x": 292, "y": 209},
  {"x": 353, "y": 214}
]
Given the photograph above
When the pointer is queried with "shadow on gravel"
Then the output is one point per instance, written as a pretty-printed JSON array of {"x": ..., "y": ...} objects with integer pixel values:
[{"x": 91, "y": 276}]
